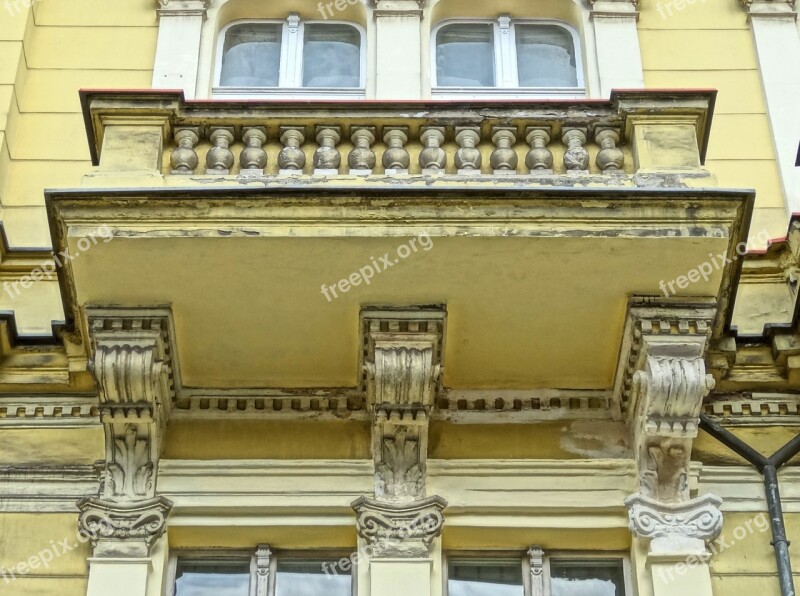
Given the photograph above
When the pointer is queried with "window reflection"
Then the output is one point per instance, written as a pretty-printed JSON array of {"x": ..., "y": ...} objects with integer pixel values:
[
  {"x": 465, "y": 56},
  {"x": 213, "y": 578},
  {"x": 586, "y": 578},
  {"x": 478, "y": 577},
  {"x": 331, "y": 56},
  {"x": 545, "y": 56},
  {"x": 252, "y": 56},
  {"x": 309, "y": 578}
]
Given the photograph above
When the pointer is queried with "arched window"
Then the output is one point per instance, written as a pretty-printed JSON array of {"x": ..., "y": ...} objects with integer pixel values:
[
  {"x": 507, "y": 58},
  {"x": 290, "y": 59}
]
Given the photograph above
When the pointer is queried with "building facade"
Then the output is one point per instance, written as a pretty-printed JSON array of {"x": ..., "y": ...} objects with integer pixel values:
[{"x": 383, "y": 297}]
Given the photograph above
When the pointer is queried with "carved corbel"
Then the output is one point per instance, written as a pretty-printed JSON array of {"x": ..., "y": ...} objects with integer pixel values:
[
  {"x": 136, "y": 378},
  {"x": 661, "y": 383},
  {"x": 402, "y": 367}
]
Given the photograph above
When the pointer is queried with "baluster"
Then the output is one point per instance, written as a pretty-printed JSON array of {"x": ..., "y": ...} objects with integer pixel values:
[
  {"x": 576, "y": 157},
  {"x": 362, "y": 158},
  {"x": 291, "y": 159},
  {"x": 539, "y": 159},
  {"x": 396, "y": 158},
  {"x": 504, "y": 159},
  {"x": 219, "y": 159},
  {"x": 468, "y": 157},
  {"x": 610, "y": 158},
  {"x": 253, "y": 157},
  {"x": 326, "y": 158},
  {"x": 433, "y": 158},
  {"x": 184, "y": 158}
]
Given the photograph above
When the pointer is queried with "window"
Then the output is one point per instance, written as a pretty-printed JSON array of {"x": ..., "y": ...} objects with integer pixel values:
[
  {"x": 293, "y": 58},
  {"x": 507, "y": 58},
  {"x": 260, "y": 573},
  {"x": 508, "y": 574}
]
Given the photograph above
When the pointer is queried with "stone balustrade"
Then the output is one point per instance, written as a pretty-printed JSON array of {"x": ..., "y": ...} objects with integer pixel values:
[{"x": 634, "y": 132}]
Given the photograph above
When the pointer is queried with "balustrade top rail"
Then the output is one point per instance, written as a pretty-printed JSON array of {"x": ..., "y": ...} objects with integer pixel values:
[{"x": 406, "y": 137}]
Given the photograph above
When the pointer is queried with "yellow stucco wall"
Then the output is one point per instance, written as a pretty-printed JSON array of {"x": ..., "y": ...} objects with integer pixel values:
[{"x": 709, "y": 44}]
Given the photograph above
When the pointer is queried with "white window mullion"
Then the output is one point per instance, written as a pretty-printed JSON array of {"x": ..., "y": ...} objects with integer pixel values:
[
  {"x": 261, "y": 564},
  {"x": 504, "y": 53},
  {"x": 292, "y": 54}
]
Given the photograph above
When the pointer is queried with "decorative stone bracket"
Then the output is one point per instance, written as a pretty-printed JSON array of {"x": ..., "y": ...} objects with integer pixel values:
[
  {"x": 399, "y": 530},
  {"x": 661, "y": 383},
  {"x": 136, "y": 377},
  {"x": 402, "y": 366}
]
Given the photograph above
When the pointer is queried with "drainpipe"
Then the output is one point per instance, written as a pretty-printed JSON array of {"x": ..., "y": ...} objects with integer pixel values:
[{"x": 768, "y": 467}]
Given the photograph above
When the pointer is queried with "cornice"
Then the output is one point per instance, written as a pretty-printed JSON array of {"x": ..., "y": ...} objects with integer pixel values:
[{"x": 46, "y": 488}]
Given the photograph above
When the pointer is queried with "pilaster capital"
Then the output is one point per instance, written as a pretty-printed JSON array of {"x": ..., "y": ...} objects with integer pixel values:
[
  {"x": 612, "y": 8},
  {"x": 183, "y": 8},
  {"x": 698, "y": 518},
  {"x": 399, "y": 530},
  {"x": 111, "y": 522},
  {"x": 769, "y": 8}
]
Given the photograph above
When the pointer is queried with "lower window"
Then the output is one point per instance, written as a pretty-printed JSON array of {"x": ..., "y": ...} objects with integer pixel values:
[
  {"x": 260, "y": 573},
  {"x": 507, "y": 574}
]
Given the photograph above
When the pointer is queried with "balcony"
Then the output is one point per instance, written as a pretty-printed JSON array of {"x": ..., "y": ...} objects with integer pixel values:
[
  {"x": 638, "y": 138},
  {"x": 265, "y": 229}
]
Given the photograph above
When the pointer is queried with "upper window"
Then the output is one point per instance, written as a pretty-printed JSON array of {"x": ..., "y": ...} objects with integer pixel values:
[
  {"x": 291, "y": 58},
  {"x": 508, "y": 58}
]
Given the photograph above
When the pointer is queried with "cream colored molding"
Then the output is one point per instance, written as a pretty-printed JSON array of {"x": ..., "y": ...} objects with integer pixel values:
[
  {"x": 402, "y": 368},
  {"x": 45, "y": 489},
  {"x": 699, "y": 518},
  {"x": 742, "y": 488},
  {"x": 660, "y": 385},
  {"x": 399, "y": 530}
]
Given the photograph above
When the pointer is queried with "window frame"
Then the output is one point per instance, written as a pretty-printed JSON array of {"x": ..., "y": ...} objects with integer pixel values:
[
  {"x": 506, "y": 69},
  {"x": 526, "y": 565},
  {"x": 290, "y": 74},
  {"x": 212, "y": 554}
]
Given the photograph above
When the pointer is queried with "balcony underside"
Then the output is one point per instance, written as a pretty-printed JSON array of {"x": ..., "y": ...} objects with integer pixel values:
[{"x": 535, "y": 283}]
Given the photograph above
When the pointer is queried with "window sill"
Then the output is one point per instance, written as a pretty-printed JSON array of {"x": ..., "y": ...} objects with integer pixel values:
[
  {"x": 508, "y": 93},
  {"x": 332, "y": 93}
]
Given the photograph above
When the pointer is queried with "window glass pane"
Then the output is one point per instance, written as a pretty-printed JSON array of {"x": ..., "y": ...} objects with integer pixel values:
[
  {"x": 331, "y": 56},
  {"x": 212, "y": 578},
  {"x": 318, "y": 577},
  {"x": 465, "y": 56},
  {"x": 586, "y": 578},
  {"x": 545, "y": 56},
  {"x": 481, "y": 577},
  {"x": 251, "y": 56}
]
